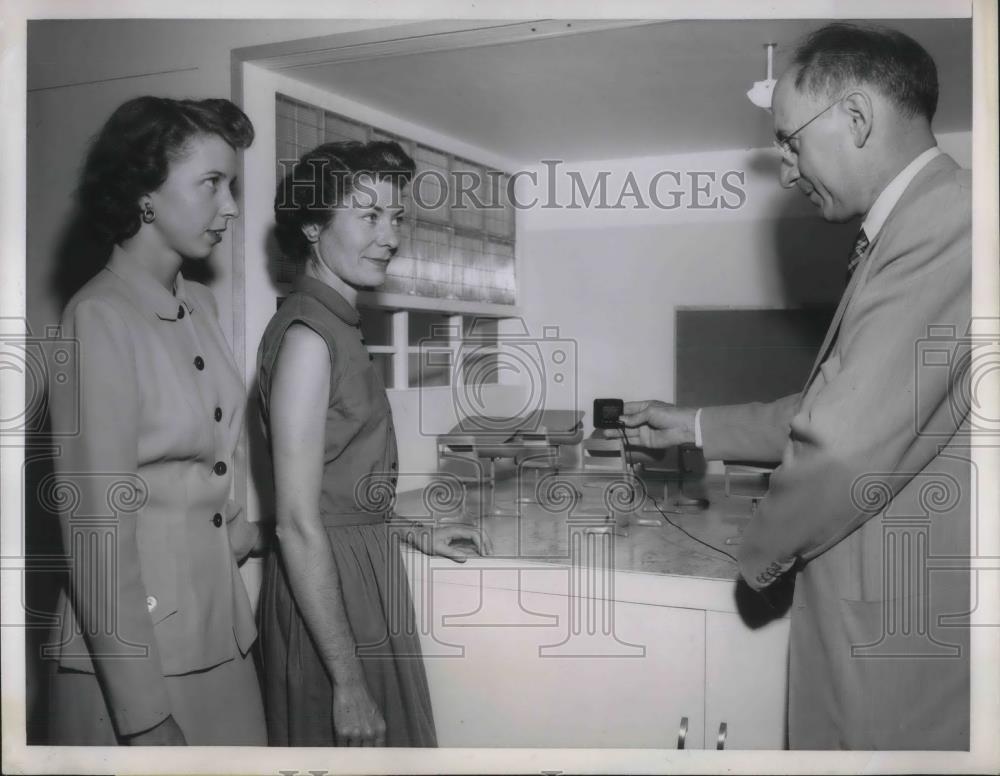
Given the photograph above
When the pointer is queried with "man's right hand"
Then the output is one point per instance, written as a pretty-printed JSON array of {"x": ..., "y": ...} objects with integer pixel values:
[
  {"x": 656, "y": 424},
  {"x": 166, "y": 733},
  {"x": 357, "y": 721}
]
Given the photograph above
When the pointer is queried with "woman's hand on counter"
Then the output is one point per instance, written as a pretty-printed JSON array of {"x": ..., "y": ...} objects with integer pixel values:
[{"x": 457, "y": 542}]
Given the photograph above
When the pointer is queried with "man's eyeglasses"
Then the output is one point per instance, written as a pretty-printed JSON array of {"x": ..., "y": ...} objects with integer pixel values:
[{"x": 784, "y": 145}]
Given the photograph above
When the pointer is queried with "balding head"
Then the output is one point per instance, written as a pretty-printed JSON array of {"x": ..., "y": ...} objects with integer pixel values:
[
  {"x": 840, "y": 56},
  {"x": 853, "y": 108}
]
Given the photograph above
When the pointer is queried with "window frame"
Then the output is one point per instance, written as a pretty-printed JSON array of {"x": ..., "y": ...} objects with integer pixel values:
[{"x": 399, "y": 348}]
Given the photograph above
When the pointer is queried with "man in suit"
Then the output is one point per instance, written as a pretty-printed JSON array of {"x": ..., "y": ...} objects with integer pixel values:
[{"x": 872, "y": 488}]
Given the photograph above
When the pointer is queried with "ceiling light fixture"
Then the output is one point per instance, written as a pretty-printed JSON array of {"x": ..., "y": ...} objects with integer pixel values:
[{"x": 760, "y": 93}]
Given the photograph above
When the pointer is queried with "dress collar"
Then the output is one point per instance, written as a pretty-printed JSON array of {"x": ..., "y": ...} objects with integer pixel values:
[
  {"x": 149, "y": 293},
  {"x": 330, "y": 298}
]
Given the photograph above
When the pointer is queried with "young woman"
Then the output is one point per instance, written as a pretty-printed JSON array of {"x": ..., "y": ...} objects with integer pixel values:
[
  {"x": 339, "y": 668},
  {"x": 156, "y": 622}
]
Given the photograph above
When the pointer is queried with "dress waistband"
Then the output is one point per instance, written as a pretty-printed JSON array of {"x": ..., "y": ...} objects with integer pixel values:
[{"x": 342, "y": 519}]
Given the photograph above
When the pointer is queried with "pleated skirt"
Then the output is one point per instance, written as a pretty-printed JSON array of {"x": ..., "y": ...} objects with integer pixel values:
[{"x": 298, "y": 693}]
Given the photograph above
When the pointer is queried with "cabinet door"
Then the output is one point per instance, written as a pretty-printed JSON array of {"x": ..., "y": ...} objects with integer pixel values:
[
  {"x": 507, "y": 667},
  {"x": 746, "y": 680}
]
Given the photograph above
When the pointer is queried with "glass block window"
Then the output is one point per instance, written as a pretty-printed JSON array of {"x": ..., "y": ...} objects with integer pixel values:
[
  {"x": 470, "y": 190},
  {"x": 430, "y": 187},
  {"x": 338, "y": 129},
  {"x": 458, "y": 241},
  {"x": 499, "y": 219}
]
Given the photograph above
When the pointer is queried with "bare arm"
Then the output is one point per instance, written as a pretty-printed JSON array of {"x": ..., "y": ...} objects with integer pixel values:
[{"x": 300, "y": 394}]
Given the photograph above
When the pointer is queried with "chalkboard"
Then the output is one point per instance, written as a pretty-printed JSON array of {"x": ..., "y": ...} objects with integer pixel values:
[{"x": 731, "y": 356}]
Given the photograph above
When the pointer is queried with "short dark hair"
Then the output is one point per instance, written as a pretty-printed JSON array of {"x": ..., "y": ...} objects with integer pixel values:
[
  {"x": 133, "y": 150},
  {"x": 838, "y": 55},
  {"x": 321, "y": 181}
]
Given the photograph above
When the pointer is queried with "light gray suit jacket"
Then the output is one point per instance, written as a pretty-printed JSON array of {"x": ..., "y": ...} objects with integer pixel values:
[
  {"x": 871, "y": 500},
  {"x": 143, "y": 489}
]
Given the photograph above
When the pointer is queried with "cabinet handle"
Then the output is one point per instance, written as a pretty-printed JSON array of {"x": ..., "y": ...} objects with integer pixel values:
[
  {"x": 720, "y": 742},
  {"x": 682, "y": 732}
]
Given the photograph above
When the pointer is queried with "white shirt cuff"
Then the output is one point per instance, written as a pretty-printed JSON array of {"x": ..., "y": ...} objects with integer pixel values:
[{"x": 697, "y": 429}]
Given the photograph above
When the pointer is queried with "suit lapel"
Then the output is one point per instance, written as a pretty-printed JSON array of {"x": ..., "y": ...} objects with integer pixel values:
[{"x": 861, "y": 274}]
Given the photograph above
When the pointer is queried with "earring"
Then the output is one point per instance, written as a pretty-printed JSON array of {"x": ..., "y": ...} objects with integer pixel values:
[{"x": 148, "y": 216}]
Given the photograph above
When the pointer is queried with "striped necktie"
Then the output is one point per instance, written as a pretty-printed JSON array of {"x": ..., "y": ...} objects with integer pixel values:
[{"x": 857, "y": 253}]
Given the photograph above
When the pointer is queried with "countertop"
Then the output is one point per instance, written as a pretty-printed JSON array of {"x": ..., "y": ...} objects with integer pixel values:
[{"x": 587, "y": 513}]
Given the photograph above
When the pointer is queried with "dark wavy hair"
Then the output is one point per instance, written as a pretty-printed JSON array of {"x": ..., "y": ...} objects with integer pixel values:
[
  {"x": 131, "y": 156},
  {"x": 838, "y": 55},
  {"x": 321, "y": 181}
]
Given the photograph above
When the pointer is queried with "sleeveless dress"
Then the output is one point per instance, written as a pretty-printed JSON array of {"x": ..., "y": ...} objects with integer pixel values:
[{"x": 360, "y": 462}]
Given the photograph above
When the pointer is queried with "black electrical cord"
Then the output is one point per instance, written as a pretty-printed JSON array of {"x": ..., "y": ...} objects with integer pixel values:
[{"x": 628, "y": 461}]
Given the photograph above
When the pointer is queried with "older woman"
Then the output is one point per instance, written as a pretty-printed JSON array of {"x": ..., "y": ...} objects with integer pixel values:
[
  {"x": 339, "y": 667},
  {"x": 156, "y": 622}
]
